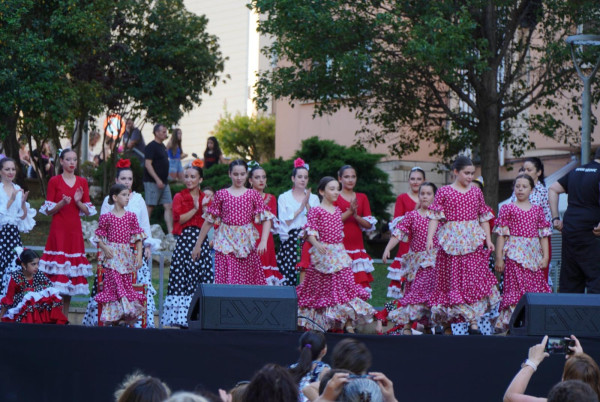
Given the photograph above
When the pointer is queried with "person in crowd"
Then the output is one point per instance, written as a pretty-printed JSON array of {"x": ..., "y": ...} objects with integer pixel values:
[
  {"x": 404, "y": 203},
  {"x": 272, "y": 383},
  {"x": 213, "y": 154},
  {"x": 521, "y": 248},
  {"x": 24, "y": 155},
  {"x": 339, "y": 385},
  {"x": 572, "y": 390},
  {"x": 328, "y": 296},
  {"x": 235, "y": 394},
  {"x": 465, "y": 289},
  {"x": 257, "y": 179},
  {"x": 64, "y": 260},
  {"x": 235, "y": 209},
  {"x": 133, "y": 140},
  {"x": 16, "y": 216},
  {"x": 578, "y": 366},
  {"x": 176, "y": 154},
  {"x": 293, "y": 207},
  {"x": 580, "y": 269},
  {"x": 138, "y": 387},
  {"x": 137, "y": 205},
  {"x": 30, "y": 297},
  {"x": 310, "y": 365},
  {"x": 186, "y": 273},
  {"x": 418, "y": 267},
  {"x": 183, "y": 396},
  {"x": 156, "y": 175},
  {"x": 539, "y": 195},
  {"x": 116, "y": 231},
  {"x": 357, "y": 218},
  {"x": 43, "y": 164},
  {"x": 93, "y": 141}
]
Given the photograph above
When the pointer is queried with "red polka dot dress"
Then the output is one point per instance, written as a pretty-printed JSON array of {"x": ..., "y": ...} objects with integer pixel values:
[
  {"x": 118, "y": 299},
  {"x": 362, "y": 263},
  {"x": 522, "y": 256},
  {"x": 465, "y": 289},
  {"x": 328, "y": 295},
  {"x": 236, "y": 260},
  {"x": 404, "y": 204}
]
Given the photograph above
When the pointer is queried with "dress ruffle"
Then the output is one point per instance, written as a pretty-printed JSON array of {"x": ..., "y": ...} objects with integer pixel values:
[
  {"x": 400, "y": 235},
  {"x": 273, "y": 276},
  {"x": 91, "y": 210},
  {"x": 123, "y": 260},
  {"x": 372, "y": 220},
  {"x": 333, "y": 260},
  {"x": 460, "y": 237},
  {"x": 119, "y": 300},
  {"x": 392, "y": 225},
  {"x": 436, "y": 212},
  {"x": 47, "y": 206},
  {"x": 412, "y": 262},
  {"x": 264, "y": 216},
  {"x": 238, "y": 240},
  {"x": 214, "y": 219},
  {"x": 526, "y": 251},
  {"x": 38, "y": 307},
  {"x": 361, "y": 261},
  {"x": 354, "y": 312},
  {"x": 465, "y": 312},
  {"x": 24, "y": 225},
  {"x": 486, "y": 216}
]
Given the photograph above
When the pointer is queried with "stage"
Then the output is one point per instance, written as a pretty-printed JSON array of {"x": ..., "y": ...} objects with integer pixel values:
[{"x": 75, "y": 363}]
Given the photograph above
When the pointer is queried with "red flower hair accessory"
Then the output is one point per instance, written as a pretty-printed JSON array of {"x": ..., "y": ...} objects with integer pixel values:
[
  {"x": 123, "y": 163},
  {"x": 299, "y": 163},
  {"x": 198, "y": 163}
]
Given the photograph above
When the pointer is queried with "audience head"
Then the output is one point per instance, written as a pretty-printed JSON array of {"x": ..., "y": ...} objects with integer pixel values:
[
  {"x": 572, "y": 391},
  {"x": 582, "y": 367},
  {"x": 138, "y": 387},
  {"x": 272, "y": 383},
  {"x": 325, "y": 377},
  {"x": 212, "y": 148},
  {"x": 312, "y": 347},
  {"x": 352, "y": 355},
  {"x": 160, "y": 132},
  {"x": 359, "y": 390},
  {"x": 239, "y": 391},
  {"x": 182, "y": 396}
]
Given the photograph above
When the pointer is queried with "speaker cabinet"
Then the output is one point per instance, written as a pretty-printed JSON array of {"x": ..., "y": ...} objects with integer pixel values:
[
  {"x": 557, "y": 314},
  {"x": 244, "y": 307}
]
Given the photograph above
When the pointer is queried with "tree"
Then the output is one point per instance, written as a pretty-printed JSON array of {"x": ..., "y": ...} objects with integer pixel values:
[
  {"x": 463, "y": 74},
  {"x": 248, "y": 137}
]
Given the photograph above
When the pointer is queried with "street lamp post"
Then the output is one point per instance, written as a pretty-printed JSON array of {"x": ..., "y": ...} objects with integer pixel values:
[{"x": 586, "y": 112}]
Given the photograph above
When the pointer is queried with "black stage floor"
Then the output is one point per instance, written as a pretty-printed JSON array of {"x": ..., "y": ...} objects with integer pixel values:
[{"x": 73, "y": 363}]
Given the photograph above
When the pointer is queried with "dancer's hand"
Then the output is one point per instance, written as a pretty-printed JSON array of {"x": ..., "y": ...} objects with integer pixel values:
[
  {"x": 558, "y": 225},
  {"x": 385, "y": 256},
  {"x": 138, "y": 260},
  {"x": 379, "y": 327},
  {"x": 354, "y": 206},
  {"x": 429, "y": 244},
  {"x": 24, "y": 199},
  {"x": 320, "y": 247},
  {"x": 13, "y": 196},
  {"x": 386, "y": 386},
  {"x": 108, "y": 254},
  {"x": 78, "y": 194},
  {"x": 65, "y": 199},
  {"x": 306, "y": 197},
  {"x": 490, "y": 245},
  {"x": 499, "y": 266},
  {"x": 544, "y": 263},
  {"x": 196, "y": 252},
  {"x": 262, "y": 247},
  {"x": 148, "y": 252}
]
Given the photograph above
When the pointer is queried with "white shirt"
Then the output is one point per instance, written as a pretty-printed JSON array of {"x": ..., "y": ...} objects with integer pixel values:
[
  {"x": 12, "y": 215},
  {"x": 287, "y": 207}
]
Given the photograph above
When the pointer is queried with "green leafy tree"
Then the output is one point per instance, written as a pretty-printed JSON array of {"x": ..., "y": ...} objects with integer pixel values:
[
  {"x": 247, "y": 137},
  {"x": 462, "y": 74}
]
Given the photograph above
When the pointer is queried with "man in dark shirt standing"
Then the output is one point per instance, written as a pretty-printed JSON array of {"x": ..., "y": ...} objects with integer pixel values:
[
  {"x": 581, "y": 228},
  {"x": 156, "y": 174},
  {"x": 133, "y": 140}
]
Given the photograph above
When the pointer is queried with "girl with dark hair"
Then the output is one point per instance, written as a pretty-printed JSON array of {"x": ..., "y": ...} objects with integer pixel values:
[
  {"x": 404, "y": 203},
  {"x": 176, "y": 154},
  {"x": 292, "y": 208},
  {"x": 235, "y": 209},
  {"x": 15, "y": 216},
  {"x": 308, "y": 369},
  {"x": 31, "y": 297},
  {"x": 521, "y": 248},
  {"x": 64, "y": 261},
  {"x": 328, "y": 297},
  {"x": 117, "y": 231},
  {"x": 137, "y": 205},
  {"x": 212, "y": 153},
  {"x": 357, "y": 218},
  {"x": 418, "y": 267},
  {"x": 257, "y": 178},
  {"x": 186, "y": 273},
  {"x": 465, "y": 289},
  {"x": 271, "y": 383}
]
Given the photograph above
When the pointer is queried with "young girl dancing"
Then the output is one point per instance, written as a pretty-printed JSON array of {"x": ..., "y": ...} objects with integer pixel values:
[
  {"x": 64, "y": 260},
  {"x": 308, "y": 369},
  {"x": 117, "y": 230},
  {"x": 404, "y": 203},
  {"x": 137, "y": 205},
  {"x": 356, "y": 215},
  {"x": 31, "y": 297},
  {"x": 417, "y": 267},
  {"x": 328, "y": 296},
  {"x": 293, "y": 206},
  {"x": 234, "y": 209},
  {"x": 257, "y": 178},
  {"x": 521, "y": 248},
  {"x": 186, "y": 273},
  {"x": 465, "y": 288},
  {"x": 15, "y": 216}
]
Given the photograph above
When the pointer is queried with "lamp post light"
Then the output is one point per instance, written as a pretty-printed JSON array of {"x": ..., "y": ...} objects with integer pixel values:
[{"x": 586, "y": 112}]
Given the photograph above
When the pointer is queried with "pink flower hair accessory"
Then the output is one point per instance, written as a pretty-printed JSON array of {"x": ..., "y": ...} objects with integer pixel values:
[{"x": 299, "y": 163}]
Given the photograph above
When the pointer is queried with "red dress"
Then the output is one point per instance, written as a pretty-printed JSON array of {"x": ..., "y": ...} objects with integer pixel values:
[
  {"x": 268, "y": 259},
  {"x": 64, "y": 260},
  {"x": 32, "y": 301},
  {"x": 404, "y": 204},
  {"x": 362, "y": 263}
]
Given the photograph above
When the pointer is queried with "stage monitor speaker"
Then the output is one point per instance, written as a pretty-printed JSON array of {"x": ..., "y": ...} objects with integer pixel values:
[
  {"x": 244, "y": 307},
  {"x": 556, "y": 314}
]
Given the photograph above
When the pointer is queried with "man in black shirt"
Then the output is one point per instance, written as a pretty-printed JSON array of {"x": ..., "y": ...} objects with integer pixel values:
[
  {"x": 581, "y": 227},
  {"x": 156, "y": 174}
]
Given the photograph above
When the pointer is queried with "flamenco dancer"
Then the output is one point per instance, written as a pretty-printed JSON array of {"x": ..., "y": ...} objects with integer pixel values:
[
  {"x": 328, "y": 296},
  {"x": 522, "y": 250},
  {"x": 357, "y": 218},
  {"x": 465, "y": 287}
]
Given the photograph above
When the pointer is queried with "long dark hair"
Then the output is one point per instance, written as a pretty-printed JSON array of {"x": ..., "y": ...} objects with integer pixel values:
[
  {"x": 115, "y": 189},
  {"x": 238, "y": 162},
  {"x": 539, "y": 166},
  {"x": 524, "y": 176},
  {"x": 323, "y": 183},
  {"x": 175, "y": 142},
  {"x": 27, "y": 256},
  {"x": 271, "y": 383},
  {"x": 311, "y": 345},
  {"x": 216, "y": 149},
  {"x": 461, "y": 162}
]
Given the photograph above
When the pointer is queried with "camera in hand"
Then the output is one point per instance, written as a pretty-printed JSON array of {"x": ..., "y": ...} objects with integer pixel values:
[{"x": 559, "y": 346}]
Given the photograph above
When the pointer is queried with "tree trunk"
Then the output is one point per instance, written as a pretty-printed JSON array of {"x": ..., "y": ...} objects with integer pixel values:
[{"x": 11, "y": 146}]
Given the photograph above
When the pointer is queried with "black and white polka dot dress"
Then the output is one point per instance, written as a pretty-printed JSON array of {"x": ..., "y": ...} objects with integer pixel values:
[
  {"x": 287, "y": 258},
  {"x": 184, "y": 276},
  {"x": 10, "y": 238}
]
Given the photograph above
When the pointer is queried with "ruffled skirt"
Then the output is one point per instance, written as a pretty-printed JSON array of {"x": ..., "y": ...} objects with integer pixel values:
[
  {"x": 118, "y": 298},
  {"x": 44, "y": 307}
]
